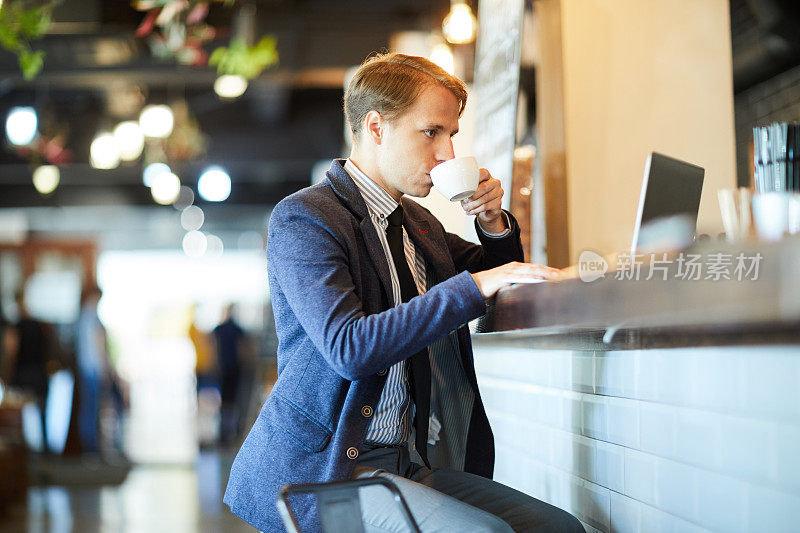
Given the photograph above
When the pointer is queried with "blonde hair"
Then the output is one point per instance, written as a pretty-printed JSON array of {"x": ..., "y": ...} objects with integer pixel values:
[{"x": 390, "y": 83}]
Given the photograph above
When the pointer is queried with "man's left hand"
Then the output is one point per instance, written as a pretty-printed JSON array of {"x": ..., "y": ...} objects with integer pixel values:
[{"x": 485, "y": 203}]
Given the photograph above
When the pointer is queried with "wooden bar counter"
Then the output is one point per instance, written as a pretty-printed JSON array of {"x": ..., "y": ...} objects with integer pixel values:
[{"x": 653, "y": 404}]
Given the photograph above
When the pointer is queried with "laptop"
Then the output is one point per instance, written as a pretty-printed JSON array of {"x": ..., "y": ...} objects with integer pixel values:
[{"x": 668, "y": 203}]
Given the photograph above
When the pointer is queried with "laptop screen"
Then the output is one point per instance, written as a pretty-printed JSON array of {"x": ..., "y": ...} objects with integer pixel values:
[{"x": 670, "y": 187}]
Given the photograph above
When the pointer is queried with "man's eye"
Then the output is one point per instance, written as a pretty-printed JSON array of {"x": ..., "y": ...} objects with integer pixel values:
[{"x": 430, "y": 133}]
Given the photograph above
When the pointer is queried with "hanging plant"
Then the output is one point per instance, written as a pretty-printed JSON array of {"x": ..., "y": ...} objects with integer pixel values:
[
  {"x": 21, "y": 23},
  {"x": 241, "y": 60},
  {"x": 176, "y": 29}
]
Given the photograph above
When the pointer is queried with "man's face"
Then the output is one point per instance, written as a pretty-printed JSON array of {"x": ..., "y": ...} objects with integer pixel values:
[{"x": 417, "y": 141}]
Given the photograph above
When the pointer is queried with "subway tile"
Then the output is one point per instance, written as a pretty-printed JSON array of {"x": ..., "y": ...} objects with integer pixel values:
[
  {"x": 674, "y": 377},
  {"x": 697, "y": 437},
  {"x": 560, "y": 369},
  {"x": 771, "y": 510},
  {"x": 571, "y": 412},
  {"x": 720, "y": 375},
  {"x": 563, "y": 456},
  {"x": 721, "y": 502},
  {"x": 657, "y": 428},
  {"x": 675, "y": 488},
  {"x": 608, "y": 466},
  {"x": 657, "y": 521},
  {"x": 582, "y": 372},
  {"x": 646, "y": 376},
  {"x": 747, "y": 448},
  {"x": 582, "y": 458},
  {"x": 615, "y": 374},
  {"x": 771, "y": 386},
  {"x": 625, "y": 514},
  {"x": 594, "y": 504},
  {"x": 595, "y": 417},
  {"x": 549, "y": 408},
  {"x": 622, "y": 421},
  {"x": 785, "y": 465},
  {"x": 640, "y": 475}
]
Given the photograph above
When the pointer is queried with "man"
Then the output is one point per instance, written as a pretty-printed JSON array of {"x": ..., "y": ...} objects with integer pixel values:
[
  {"x": 229, "y": 339},
  {"x": 371, "y": 300}
]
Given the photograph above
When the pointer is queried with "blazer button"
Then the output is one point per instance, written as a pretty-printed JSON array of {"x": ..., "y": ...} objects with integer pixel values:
[
  {"x": 352, "y": 453},
  {"x": 366, "y": 411},
  {"x": 383, "y": 372}
]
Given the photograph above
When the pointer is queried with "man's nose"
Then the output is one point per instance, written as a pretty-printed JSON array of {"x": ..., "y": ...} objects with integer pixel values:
[{"x": 446, "y": 150}]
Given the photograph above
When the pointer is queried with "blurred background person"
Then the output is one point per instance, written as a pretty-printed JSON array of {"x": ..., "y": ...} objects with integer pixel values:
[
  {"x": 26, "y": 354},
  {"x": 97, "y": 381},
  {"x": 205, "y": 367},
  {"x": 207, "y": 383},
  {"x": 231, "y": 349}
]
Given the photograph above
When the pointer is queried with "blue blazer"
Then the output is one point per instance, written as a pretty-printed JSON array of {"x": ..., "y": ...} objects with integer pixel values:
[{"x": 338, "y": 332}]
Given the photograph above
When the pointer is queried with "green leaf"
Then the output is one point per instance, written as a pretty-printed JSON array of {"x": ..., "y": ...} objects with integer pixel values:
[
  {"x": 239, "y": 59},
  {"x": 34, "y": 22},
  {"x": 8, "y": 38},
  {"x": 31, "y": 62}
]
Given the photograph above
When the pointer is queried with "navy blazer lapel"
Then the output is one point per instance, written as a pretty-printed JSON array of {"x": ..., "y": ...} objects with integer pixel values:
[
  {"x": 344, "y": 187},
  {"x": 430, "y": 240}
]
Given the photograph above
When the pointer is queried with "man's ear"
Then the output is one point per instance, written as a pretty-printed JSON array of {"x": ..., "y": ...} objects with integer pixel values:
[{"x": 374, "y": 124}]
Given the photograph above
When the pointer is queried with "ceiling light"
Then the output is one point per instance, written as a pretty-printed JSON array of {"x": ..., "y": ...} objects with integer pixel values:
[
  {"x": 104, "y": 152},
  {"x": 194, "y": 244},
  {"x": 165, "y": 188},
  {"x": 230, "y": 86},
  {"x": 214, "y": 185},
  {"x": 442, "y": 56},
  {"x": 460, "y": 25},
  {"x": 156, "y": 121},
  {"x": 46, "y": 178},
  {"x": 151, "y": 171},
  {"x": 130, "y": 140},
  {"x": 21, "y": 124}
]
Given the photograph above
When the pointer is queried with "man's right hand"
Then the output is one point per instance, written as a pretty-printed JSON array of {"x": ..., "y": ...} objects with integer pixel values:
[{"x": 490, "y": 281}]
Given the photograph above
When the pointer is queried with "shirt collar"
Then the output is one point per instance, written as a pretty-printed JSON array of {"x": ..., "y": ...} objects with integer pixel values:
[{"x": 378, "y": 201}]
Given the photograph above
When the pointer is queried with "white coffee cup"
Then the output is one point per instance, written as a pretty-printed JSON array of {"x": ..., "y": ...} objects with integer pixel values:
[
  {"x": 771, "y": 215},
  {"x": 456, "y": 178}
]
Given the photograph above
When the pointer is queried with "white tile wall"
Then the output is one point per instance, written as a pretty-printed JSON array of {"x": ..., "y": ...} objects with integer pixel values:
[{"x": 703, "y": 439}]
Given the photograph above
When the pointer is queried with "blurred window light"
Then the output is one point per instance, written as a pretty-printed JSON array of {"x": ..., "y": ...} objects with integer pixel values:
[
  {"x": 213, "y": 246},
  {"x": 156, "y": 121},
  {"x": 214, "y": 185},
  {"x": 230, "y": 86},
  {"x": 192, "y": 218},
  {"x": 443, "y": 56},
  {"x": 21, "y": 124},
  {"x": 194, "y": 244},
  {"x": 166, "y": 187},
  {"x": 185, "y": 198},
  {"x": 152, "y": 170},
  {"x": 46, "y": 178},
  {"x": 460, "y": 25},
  {"x": 130, "y": 140},
  {"x": 104, "y": 152}
]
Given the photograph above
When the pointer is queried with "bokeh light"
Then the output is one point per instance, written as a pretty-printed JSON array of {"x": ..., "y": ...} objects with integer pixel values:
[
  {"x": 21, "y": 124},
  {"x": 165, "y": 188},
  {"x": 214, "y": 185},
  {"x": 46, "y": 178}
]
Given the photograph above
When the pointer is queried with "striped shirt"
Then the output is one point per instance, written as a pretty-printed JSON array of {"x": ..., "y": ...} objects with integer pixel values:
[{"x": 391, "y": 423}]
